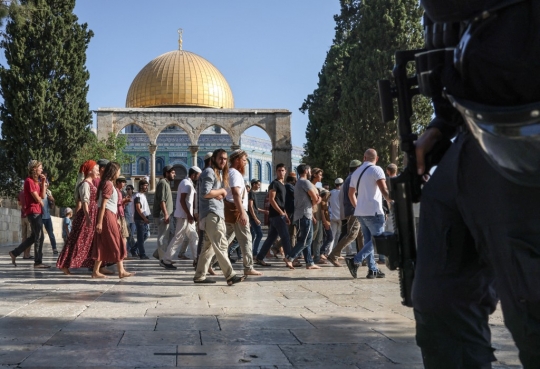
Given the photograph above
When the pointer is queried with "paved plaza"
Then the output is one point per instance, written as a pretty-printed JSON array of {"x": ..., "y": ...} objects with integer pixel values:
[{"x": 159, "y": 318}]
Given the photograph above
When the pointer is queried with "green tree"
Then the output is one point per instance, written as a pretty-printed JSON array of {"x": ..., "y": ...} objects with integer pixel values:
[
  {"x": 368, "y": 33},
  {"x": 45, "y": 114},
  {"x": 10, "y": 181},
  {"x": 112, "y": 149}
]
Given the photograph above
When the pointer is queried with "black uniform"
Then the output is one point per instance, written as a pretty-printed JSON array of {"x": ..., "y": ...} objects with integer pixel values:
[{"x": 485, "y": 242}]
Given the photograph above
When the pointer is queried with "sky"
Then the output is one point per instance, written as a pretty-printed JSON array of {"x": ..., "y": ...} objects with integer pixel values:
[{"x": 270, "y": 52}]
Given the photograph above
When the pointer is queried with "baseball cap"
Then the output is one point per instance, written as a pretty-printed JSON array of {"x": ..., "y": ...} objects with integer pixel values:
[
  {"x": 208, "y": 155},
  {"x": 355, "y": 163},
  {"x": 338, "y": 181},
  {"x": 121, "y": 179}
]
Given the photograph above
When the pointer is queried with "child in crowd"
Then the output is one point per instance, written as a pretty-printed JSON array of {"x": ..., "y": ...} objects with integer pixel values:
[{"x": 66, "y": 224}]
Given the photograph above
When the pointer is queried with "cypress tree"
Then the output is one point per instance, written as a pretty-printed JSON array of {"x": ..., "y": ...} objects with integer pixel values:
[
  {"x": 45, "y": 114},
  {"x": 375, "y": 30}
]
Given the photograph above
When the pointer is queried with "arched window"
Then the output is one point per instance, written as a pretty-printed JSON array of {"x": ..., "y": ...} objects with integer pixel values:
[
  {"x": 248, "y": 170},
  {"x": 126, "y": 169},
  {"x": 159, "y": 166},
  {"x": 257, "y": 171},
  {"x": 142, "y": 166},
  {"x": 268, "y": 172}
]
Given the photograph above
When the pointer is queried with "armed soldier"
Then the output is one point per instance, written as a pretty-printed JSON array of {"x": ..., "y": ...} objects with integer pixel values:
[{"x": 478, "y": 238}]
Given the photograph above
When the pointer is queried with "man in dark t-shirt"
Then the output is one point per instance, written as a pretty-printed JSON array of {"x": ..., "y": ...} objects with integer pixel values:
[
  {"x": 253, "y": 210},
  {"x": 279, "y": 220}
]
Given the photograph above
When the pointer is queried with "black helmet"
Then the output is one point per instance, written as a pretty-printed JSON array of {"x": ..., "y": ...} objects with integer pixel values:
[{"x": 508, "y": 136}]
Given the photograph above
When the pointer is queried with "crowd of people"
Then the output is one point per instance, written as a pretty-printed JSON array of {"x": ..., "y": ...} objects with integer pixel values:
[{"x": 216, "y": 212}]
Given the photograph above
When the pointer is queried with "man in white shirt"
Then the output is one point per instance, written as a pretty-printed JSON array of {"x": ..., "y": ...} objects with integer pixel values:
[
  {"x": 367, "y": 188},
  {"x": 140, "y": 216},
  {"x": 185, "y": 219},
  {"x": 335, "y": 213},
  {"x": 237, "y": 194}
]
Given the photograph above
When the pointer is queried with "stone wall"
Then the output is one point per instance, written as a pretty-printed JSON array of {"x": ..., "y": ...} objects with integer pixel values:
[{"x": 10, "y": 228}]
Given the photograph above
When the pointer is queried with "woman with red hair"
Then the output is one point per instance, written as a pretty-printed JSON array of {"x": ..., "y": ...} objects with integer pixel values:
[{"x": 77, "y": 251}]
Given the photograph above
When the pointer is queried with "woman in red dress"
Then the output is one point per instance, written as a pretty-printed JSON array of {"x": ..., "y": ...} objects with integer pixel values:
[
  {"x": 77, "y": 252},
  {"x": 108, "y": 243}
]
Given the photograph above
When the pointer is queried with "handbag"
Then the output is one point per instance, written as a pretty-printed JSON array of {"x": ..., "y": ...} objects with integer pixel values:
[
  {"x": 123, "y": 227},
  {"x": 232, "y": 214}
]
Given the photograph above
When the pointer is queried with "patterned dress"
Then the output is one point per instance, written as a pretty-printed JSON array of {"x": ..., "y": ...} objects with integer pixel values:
[
  {"x": 109, "y": 245},
  {"x": 77, "y": 252}
]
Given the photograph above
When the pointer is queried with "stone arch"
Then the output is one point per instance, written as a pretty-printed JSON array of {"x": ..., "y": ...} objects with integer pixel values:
[
  {"x": 235, "y": 137},
  {"x": 118, "y": 128}
]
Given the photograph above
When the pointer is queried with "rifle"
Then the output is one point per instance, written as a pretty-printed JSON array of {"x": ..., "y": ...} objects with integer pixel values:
[{"x": 400, "y": 247}]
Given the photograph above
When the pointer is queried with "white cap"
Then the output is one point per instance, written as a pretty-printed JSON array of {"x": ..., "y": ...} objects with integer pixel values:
[
  {"x": 208, "y": 155},
  {"x": 196, "y": 169},
  {"x": 338, "y": 181}
]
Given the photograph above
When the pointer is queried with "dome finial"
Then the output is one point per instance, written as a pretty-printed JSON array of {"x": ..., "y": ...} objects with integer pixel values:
[{"x": 180, "y": 31}]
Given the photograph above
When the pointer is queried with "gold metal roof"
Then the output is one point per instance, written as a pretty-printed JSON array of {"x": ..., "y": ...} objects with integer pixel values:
[{"x": 179, "y": 78}]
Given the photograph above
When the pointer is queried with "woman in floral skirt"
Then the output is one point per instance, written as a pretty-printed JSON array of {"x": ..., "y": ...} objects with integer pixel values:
[
  {"x": 77, "y": 252},
  {"x": 108, "y": 243}
]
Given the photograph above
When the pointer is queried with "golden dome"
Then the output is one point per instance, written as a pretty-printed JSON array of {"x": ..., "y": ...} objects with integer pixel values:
[{"x": 179, "y": 78}]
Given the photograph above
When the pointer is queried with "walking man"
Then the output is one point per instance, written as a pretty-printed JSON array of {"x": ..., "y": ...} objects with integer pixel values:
[
  {"x": 335, "y": 213},
  {"x": 253, "y": 210},
  {"x": 279, "y": 219},
  {"x": 34, "y": 193},
  {"x": 354, "y": 231},
  {"x": 140, "y": 216},
  {"x": 366, "y": 191},
  {"x": 237, "y": 194},
  {"x": 185, "y": 219},
  {"x": 162, "y": 210},
  {"x": 305, "y": 196},
  {"x": 212, "y": 220}
]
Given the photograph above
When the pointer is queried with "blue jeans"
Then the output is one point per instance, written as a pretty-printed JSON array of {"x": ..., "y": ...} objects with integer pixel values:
[
  {"x": 278, "y": 227},
  {"x": 371, "y": 226},
  {"x": 142, "y": 235},
  {"x": 47, "y": 223},
  {"x": 304, "y": 236},
  {"x": 256, "y": 235},
  {"x": 131, "y": 244}
]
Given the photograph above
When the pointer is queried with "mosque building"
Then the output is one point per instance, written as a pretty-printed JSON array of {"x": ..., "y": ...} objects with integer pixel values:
[{"x": 182, "y": 79}]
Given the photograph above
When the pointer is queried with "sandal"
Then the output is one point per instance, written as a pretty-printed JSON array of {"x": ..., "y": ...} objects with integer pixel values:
[
  {"x": 261, "y": 263},
  {"x": 30, "y": 257},
  {"x": 297, "y": 264},
  {"x": 235, "y": 279}
]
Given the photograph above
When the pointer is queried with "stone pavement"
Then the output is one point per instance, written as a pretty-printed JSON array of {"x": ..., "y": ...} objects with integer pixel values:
[{"x": 159, "y": 318}]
